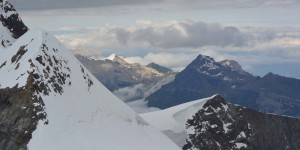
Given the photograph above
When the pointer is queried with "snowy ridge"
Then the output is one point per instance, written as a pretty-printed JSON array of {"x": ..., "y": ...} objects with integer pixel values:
[
  {"x": 80, "y": 112},
  {"x": 111, "y": 57},
  {"x": 172, "y": 120}
]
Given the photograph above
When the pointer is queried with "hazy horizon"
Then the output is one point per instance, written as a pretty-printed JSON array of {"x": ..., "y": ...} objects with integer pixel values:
[{"x": 262, "y": 35}]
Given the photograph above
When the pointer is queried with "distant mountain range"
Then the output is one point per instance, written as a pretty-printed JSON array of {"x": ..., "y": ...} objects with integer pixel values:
[
  {"x": 204, "y": 77},
  {"x": 127, "y": 81},
  {"x": 213, "y": 124}
]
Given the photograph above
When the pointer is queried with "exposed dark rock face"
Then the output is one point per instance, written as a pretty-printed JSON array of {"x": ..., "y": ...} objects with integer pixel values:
[
  {"x": 12, "y": 21},
  {"x": 20, "y": 111},
  {"x": 223, "y": 126},
  {"x": 22, "y": 108},
  {"x": 205, "y": 77}
]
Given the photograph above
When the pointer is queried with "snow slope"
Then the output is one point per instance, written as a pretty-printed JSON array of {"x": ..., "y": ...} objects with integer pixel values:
[
  {"x": 80, "y": 112},
  {"x": 172, "y": 121}
]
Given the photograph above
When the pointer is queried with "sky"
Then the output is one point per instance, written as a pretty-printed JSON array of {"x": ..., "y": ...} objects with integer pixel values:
[{"x": 262, "y": 35}]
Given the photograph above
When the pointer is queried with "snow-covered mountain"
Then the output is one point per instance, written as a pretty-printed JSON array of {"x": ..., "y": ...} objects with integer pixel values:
[
  {"x": 212, "y": 123},
  {"x": 128, "y": 81},
  {"x": 49, "y": 100},
  {"x": 221, "y": 125},
  {"x": 205, "y": 77},
  {"x": 11, "y": 26}
]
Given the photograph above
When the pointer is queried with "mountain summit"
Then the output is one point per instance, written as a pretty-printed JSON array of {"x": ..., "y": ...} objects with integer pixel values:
[
  {"x": 225, "y": 70},
  {"x": 117, "y": 59},
  {"x": 11, "y": 26},
  {"x": 204, "y": 77}
]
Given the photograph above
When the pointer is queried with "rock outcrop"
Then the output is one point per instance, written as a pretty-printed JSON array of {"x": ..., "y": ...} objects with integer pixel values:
[{"x": 223, "y": 126}]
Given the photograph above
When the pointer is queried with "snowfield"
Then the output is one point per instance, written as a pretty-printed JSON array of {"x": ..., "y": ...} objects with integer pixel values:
[{"x": 172, "y": 121}]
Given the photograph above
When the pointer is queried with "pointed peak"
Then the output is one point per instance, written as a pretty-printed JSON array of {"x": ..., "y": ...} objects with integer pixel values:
[
  {"x": 200, "y": 56},
  {"x": 111, "y": 57},
  {"x": 203, "y": 62},
  {"x": 117, "y": 59},
  {"x": 215, "y": 102},
  {"x": 36, "y": 38},
  {"x": 271, "y": 75},
  {"x": 10, "y": 19}
]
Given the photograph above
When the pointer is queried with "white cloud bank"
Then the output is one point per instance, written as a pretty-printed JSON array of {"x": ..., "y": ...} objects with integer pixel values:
[
  {"x": 175, "y": 44},
  {"x": 165, "y": 35}
]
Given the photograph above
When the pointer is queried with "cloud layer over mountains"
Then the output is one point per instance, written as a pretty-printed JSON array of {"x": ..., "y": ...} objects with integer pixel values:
[{"x": 55, "y": 4}]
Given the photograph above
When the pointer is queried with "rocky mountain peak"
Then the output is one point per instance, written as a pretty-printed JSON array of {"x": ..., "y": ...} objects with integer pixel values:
[
  {"x": 117, "y": 59},
  {"x": 216, "y": 102},
  {"x": 228, "y": 70},
  {"x": 221, "y": 125},
  {"x": 205, "y": 62},
  {"x": 11, "y": 26}
]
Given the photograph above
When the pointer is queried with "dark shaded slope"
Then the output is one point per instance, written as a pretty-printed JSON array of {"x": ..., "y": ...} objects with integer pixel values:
[
  {"x": 220, "y": 125},
  {"x": 205, "y": 77}
]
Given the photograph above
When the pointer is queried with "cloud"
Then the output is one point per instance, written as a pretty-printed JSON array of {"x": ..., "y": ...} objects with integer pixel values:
[
  {"x": 175, "y": 44},
  {"x": 89, "y": 53},
  {"x": 234, "y": 3},
  {"x": 140, "y": 91},
  {"x": 131, "y": 93},
  {"x": 175, "y": 61},
  {"x": 187, "y": 34},
  {"x": 165, "y": 35},
  {"x": 57, "y": 4},
  {"x": 164, "y": 4}
]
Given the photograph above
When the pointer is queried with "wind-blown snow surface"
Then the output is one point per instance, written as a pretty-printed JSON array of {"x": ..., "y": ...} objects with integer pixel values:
[
  {"x": 82, "y": 114},
  {"x": 172, "y": 121}
]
